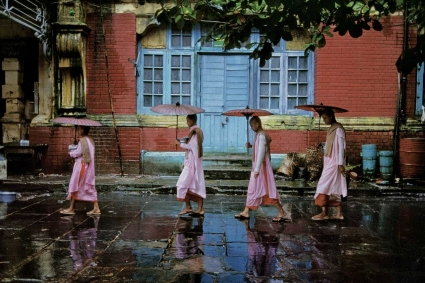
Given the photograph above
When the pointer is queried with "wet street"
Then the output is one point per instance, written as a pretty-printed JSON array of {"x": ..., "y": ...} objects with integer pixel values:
[{"x": 140, "y": 238}]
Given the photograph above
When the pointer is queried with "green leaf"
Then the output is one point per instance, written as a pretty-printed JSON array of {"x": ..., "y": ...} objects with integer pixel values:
[
  {"x": 376, "y": 25},
  {"x": 179, "y": 23},
  {"x": 355, "y": 31},
  {"x": 322, "y": 42}
]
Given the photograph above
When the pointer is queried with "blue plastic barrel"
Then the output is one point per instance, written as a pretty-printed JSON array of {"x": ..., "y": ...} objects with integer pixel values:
[
  {"x": 369, "y": 155},
  {"x": 386, "y": 164}
]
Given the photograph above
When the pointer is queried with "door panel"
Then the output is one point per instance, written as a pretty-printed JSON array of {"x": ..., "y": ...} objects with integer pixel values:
[{"x": 224, "y": 85}]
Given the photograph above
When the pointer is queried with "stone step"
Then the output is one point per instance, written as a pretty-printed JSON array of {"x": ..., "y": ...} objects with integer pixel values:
[
  {"x": 226, "y": 172},
  {"x": 234, "y": 160}
]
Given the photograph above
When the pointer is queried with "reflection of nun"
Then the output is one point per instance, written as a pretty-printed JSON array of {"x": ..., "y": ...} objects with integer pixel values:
[
  {"x": 262, "y": 247},
  {"x": 83, "y": 244},
  {"x": 189, "y": 238}
]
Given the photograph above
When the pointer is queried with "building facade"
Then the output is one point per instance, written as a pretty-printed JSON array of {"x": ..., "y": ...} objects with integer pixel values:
[{"x": 111, "y": 63}]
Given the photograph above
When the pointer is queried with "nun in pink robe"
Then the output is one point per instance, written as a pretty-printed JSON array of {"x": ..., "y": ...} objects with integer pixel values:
[
  {"x": 332, "y": 183},
  {"x": 82, "y": 182},
  {"x": 262, "y": 186},
  {"x": 191, "y": 183}
]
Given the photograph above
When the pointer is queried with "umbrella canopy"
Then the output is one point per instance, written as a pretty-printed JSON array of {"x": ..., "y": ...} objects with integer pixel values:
[
  {"x": 77, "y": 121},
  {"x": 247, "y": 112},
  {"x": 320, "y": 108},
  {"x": 178, "y": 110}
]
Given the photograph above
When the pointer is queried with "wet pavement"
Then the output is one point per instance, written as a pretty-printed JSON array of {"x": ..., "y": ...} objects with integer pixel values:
[{"x": 139, "y": 238}]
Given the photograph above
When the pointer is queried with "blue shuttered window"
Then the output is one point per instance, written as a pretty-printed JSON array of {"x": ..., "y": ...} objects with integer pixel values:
[
  {"x": 181, "y": 78},
  {"x": 153, "y": 79},
  {"x": 270, "y": 84},
  {"x": 297, "y": 81},
  {"x": 169, "y": 75},
  {"x": 285, "y": 81}
]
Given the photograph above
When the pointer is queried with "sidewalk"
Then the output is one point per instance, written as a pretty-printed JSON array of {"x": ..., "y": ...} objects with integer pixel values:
[
  {"x": 166, "y": 185},
  {"x": 140, "y": 238}
]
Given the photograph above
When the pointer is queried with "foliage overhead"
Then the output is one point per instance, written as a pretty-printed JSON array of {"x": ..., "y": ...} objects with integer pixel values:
[{"x": 232, "y": 21}]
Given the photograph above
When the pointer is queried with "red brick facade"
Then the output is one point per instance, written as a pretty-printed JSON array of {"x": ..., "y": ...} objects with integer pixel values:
[
  {"x": 357, "y": 74},
  {"x": 120, "y": 33}
]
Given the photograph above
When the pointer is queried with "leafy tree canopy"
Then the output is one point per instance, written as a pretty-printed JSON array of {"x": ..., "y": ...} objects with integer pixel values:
[{"x": 232, "y": 21}]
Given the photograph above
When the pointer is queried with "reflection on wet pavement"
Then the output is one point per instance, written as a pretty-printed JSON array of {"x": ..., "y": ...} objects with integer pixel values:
[{"x": 140, "y": 238}]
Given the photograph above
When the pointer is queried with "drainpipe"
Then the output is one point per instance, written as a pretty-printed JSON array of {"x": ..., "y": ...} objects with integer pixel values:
[
  {"x": 142, "y": 158},
  {"x": 401, "y": 100}
]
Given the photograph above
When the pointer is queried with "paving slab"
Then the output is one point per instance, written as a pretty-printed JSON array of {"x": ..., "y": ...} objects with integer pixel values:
[{"x": 140, "y": 238}]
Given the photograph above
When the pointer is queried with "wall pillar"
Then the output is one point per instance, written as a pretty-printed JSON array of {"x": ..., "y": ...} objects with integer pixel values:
[
  {"x": 14, "y": 127},
  {"x": 45, "y": 95},
  {"x": 70, "y": 59}
]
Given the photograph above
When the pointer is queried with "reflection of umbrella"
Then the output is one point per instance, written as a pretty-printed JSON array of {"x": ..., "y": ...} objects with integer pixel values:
[
  {"x": 320, "y": 108},
  {"x": 76, "y": 122},
  {"x": 178, "y": 110},
  {"x": 247, "y": 112}
]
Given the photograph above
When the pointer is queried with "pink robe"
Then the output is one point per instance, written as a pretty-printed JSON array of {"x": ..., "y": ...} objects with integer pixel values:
[
  {"x": 192, "y": 177},
  {"x": 82, "y": 182},
  {"x": 261, "y": 190},
  {"x": 332, "y": 182}
]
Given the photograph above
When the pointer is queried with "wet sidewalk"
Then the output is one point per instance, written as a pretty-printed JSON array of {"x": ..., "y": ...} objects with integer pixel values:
[
  {"x": 166, "y": 185},
  {"x": 139, "y": 238}
]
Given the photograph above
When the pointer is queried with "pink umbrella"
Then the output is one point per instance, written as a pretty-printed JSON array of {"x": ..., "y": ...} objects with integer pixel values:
[
  {"x": 247, "y": 112},
  {"x": 178, "y": 110},
  {"x": 77, "y": 122}
]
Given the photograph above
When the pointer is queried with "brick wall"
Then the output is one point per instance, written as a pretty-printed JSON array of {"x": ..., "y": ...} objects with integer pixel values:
[
  {"x": 299, "y": 141},
  {"x": 57, "y": 161},
  {"x": 107, "y": 156},
  {"x": 120, "y": 32},
  {"x": 359, "y": 74},
  {"x": 161, "y": 139}
]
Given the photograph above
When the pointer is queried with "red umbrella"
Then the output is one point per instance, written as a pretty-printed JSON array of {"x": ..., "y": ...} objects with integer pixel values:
[
  {"x": 247, "y": 112},
  {"x": 320, "y": 108},
  {"x": 178, "y": 110},
  {"x": 77, "y": 122}
]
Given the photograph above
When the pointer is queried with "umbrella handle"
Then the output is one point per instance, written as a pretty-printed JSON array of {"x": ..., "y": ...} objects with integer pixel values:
[
  {"x": 75, "y": 134},
  {"x": 318, "y": 135},
  {"x": 247, "y": 134}
]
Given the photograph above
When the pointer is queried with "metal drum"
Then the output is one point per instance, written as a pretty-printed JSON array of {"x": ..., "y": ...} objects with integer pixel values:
[
  {"x": 412, "y": 157},
  {"x": 369, "y": 155},
  {"x": 386, "y": 164}
]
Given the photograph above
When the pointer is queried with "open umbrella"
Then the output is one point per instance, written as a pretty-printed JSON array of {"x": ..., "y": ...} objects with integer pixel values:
[
  {"x": 178, "y": 110},
  {"x": 319, "y": 109},
  {"x": 247, "y": 112},
  {"x": 77, "y": 122}
]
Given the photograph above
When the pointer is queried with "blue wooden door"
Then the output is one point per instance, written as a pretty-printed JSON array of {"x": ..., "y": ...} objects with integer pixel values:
[{"x": 224, "y": 85}]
